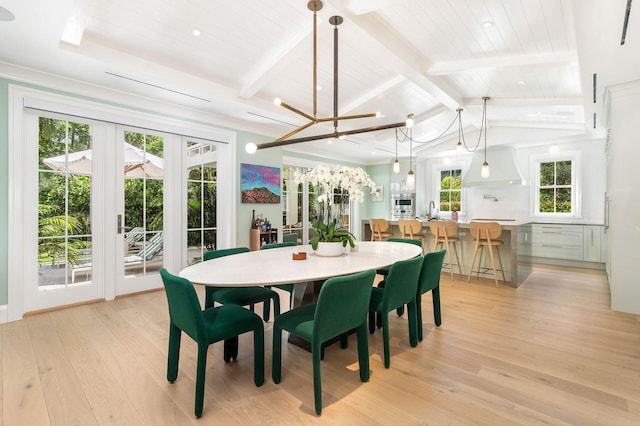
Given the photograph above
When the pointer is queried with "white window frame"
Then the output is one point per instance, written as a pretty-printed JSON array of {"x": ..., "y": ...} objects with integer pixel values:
[
  {"x": 437, "y": 171},
  {"x": 576, "y": 179}
]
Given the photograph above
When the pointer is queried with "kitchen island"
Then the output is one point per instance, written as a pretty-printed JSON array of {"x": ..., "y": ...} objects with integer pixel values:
[{"x": 515, "y": 253}]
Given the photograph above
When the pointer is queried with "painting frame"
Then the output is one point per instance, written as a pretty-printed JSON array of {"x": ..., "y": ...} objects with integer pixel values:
[
  {"x": 260, "y": 184},
  {"x": 378, "y": 193}
]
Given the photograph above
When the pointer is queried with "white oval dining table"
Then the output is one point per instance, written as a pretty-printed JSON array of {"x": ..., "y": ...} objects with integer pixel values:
[{"x": 276, "y": 266}]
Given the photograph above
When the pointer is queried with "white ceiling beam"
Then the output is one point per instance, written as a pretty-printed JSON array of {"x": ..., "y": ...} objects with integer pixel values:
[
  {"x": 560, "y": 125},
  {"x": 399, "y": 51},
  {"x": 372, "y": 94},
  {"x": 526, "y": 102},
  {"x": 500, "y": 62},
  {"x": 277, "y": 63}
]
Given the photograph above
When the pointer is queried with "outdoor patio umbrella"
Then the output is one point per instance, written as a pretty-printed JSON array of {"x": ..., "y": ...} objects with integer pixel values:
[{"x": 137, "y": 162}]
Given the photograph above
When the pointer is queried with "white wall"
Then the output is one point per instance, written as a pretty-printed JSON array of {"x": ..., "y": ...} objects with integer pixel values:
[{"x": 514, "y": 202}]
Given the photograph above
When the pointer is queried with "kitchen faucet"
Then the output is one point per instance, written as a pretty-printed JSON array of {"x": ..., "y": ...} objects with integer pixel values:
[{"x": 432, "y": 207}]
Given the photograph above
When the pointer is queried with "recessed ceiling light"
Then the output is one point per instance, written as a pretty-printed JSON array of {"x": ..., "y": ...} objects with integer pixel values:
[
  {"x": 5, "y": 15},
  {"x": 554, "y": 149},
  {"x": 319, "y": 87},
  {"x": 196, "y": 33},
  {"x": 488, "y": 24},
  {"x": 522, "y": 82}
]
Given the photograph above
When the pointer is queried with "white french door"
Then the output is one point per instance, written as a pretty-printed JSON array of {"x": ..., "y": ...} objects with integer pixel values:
[
  {"x": 62, "y": 251},
  {"x": 141, "y": 223},
  {"x": 97, "y": 208}
]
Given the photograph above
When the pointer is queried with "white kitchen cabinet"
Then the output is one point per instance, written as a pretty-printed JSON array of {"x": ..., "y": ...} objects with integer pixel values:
[
  {"x": 557, "y": 241},
  {"x": 593, "y": 247},
  {"x": 623, "y": 196}
]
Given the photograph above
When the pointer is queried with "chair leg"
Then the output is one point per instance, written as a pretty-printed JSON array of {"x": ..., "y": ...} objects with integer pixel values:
[
  {"x": 500, "y": 262},
  {"x": 450, "y": 262},
  {"x": 276, "y": 306},
  {"x": 473, "y": 262},
  {"x": 231, "y": 349},
  {"x": 258, "y": 353},
  {"x": 266, "y": 310},
  {"x": 493, "y": 265},
  {"x": 276, "y": 362},
  {"x": 437, "y": 314},
  {"x": 413, "y": 324},
  {"x": 455, "y": 251},
  {"x": 316, "y": 349},
  {"x": 385, "y": 340},
  {"x": 480, "y": 261},
  {"x": 173, "y": 357},
  {"x": 267, "y": 306},
  {"x": 419, "y": 315},
  {"x": 200, "y": 373},
  {"x": 344, "y": 340},
  {"x": 400, "y": 311},
  {"x": 208, "y": 297},
  {"x": 363, "y": 353},
  {"x": 372, "y": 322}
]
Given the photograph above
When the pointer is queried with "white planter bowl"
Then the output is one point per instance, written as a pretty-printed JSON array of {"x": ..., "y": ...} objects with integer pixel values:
[{"x": 326, "y": 249}]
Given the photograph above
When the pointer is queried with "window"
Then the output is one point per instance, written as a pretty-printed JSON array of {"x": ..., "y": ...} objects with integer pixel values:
[
  {"x": 556, "y": 185},
  {"x": 450, "y": 190}
]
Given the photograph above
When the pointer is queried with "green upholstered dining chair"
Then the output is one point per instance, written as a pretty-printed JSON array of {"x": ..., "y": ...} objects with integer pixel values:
[
  {"x": 341, "y": 307},
  {"x": 240, "y": 295},
  {"x": 430, "y": 281},
  {"x": 399, "y": 289},
  {"x": 285, "y": 287},
  {"x": 385, "y": 271},
  {"x": 206, "y": 327}
]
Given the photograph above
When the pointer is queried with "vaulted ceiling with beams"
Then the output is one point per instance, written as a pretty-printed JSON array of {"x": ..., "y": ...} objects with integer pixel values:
[{"x": 534, "y": 58}]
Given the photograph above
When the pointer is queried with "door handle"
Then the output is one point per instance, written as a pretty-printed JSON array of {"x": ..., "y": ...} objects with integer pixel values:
[{"x": 119, "y": 225}]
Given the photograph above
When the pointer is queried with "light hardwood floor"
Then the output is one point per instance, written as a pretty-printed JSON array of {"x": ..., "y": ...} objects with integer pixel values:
[{"x": 550, "y": 352}]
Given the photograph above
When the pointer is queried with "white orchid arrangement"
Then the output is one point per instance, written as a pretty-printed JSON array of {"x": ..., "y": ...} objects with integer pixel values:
[
  {"x": 334, "y": 184},
  {"x": 340, "y": 178}
]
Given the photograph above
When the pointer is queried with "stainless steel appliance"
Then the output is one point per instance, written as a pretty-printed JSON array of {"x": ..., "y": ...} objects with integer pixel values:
[{"x": 403, "y": 206}]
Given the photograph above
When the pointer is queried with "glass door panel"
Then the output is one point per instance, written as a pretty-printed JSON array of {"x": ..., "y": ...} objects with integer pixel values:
[
  {"x": 143, "y": 205},
  {"x": 202, "y": 186},
  {"x": 60, "y": 207}
]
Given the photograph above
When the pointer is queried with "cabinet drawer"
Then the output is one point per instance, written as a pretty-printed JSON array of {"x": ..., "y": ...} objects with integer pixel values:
[
  {"x": 557, "y": 251},
  {"x": 562, "y": 235}
]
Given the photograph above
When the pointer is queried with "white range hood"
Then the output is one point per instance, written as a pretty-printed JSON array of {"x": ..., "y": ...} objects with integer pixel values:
[{"x": 503, "y": 168}]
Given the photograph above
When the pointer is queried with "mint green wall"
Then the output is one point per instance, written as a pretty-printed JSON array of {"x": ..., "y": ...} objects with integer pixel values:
[
  {"x": 4, "y": 191},
  {"x": 381, "y": 175},
  {"x": 271, "y": 157}
]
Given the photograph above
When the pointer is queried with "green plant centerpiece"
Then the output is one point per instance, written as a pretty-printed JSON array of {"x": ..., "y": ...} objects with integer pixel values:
[{"x": 336, "y": 188}]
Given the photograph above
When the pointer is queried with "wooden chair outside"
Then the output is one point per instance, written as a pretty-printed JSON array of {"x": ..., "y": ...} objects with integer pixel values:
[
  {"x": 379, "y": 229},
  {"x": 445, "y": 233},
  {"x": 486, "y": 234},
  {"x": 412, "y": 229}
]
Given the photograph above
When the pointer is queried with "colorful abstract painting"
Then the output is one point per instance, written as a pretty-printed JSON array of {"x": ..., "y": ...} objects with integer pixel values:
[{"x": 260, "y": 184}]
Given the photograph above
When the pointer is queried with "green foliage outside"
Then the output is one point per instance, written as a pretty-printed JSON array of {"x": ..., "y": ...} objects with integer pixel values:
[
  {"x": 555, "y": 187},
  {"x": 64, "y": 220},
  {"x": 201, "y": 207},
  {"x": 450, "y": 190}
]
